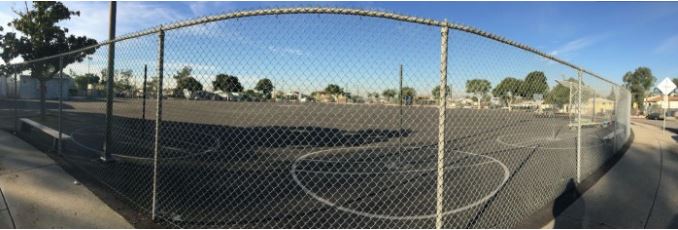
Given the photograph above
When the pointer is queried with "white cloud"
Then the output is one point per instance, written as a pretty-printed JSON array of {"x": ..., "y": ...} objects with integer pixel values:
[
  {"x": 93, "y": 19},
  {"x": 576, "y": 44},
  {"x": 131, "y": 16},
  {"x": 668, "y": 45},
  {"x": 285, "y": 50},
  {"x": 92, "y": 22},
  {"x": 209, "y": 8}
]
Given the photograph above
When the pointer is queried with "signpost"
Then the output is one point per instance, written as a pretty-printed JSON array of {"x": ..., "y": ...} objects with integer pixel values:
[{"x": 666, "y": 86}]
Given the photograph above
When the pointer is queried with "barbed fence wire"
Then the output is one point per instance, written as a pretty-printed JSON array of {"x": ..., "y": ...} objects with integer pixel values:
[{"x": 314, "y": 117}]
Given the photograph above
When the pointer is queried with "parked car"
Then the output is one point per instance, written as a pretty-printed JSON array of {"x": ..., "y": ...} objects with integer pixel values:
[{"x": 654, "y": 116}]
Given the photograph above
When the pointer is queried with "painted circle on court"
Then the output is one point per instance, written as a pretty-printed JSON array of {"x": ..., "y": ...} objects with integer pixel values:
[
  {"x": 374, "y": 181},
  {"x": 565, "y": 141}
]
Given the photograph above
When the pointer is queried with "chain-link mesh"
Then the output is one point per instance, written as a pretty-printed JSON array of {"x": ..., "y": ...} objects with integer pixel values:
[
  {"x": 509, "y": 145},
  {"x": 322, "y": 121}
]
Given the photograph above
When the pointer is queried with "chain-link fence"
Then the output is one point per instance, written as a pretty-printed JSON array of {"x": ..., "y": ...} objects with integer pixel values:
[{"x": 321, "y": 118}]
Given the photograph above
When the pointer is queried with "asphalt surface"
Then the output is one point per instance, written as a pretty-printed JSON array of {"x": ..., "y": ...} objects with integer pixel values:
[
  {"x": 286, "y": 165},
  {"x": 671, "y": 124}
]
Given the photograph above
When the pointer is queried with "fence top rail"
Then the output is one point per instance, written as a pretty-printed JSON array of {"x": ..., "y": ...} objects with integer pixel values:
[{"x": 325, "y": 10}]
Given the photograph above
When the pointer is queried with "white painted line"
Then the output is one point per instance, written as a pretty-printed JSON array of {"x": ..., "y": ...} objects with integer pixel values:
[
  {"x": 521, "y": 145},
  {"x": 217, "y": 142},
  {"x": 393, "y": 172},
  {"x": 322, "y": 200}
]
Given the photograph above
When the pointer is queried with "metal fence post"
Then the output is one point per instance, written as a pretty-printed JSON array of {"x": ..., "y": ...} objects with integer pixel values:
[
  {"x": 614, "y": 122},
  {"x": 441, "y": 129},
  {"x": 16, "y": 101},
  {"x": 143, "y": 103},
  {"x": 400, "y": 128},
  {"x": 627, "y": 119},
  {"x": 593, "y": 107},
  {"x": 666, "y": 102},
  {"x": 579, "y": 76},
  {"x": 109, "y": 85},
  {"x": 158, "y": 119},
  {"x": 61, "y": 102}
]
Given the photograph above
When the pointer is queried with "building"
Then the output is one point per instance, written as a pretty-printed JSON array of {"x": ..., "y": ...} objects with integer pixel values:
[
  {"x": 4, "y": 81},
  {"x": 598, "y": 105},
  {"x": 29, "y": 87},
  {"x": 657, "y": 103}
]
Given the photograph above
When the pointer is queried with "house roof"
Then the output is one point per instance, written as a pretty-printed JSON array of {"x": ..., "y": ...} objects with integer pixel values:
[{"x": 659, "y": 98}]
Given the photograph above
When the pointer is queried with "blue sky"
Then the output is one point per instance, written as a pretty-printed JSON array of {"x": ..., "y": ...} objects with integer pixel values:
[{"x": 609, "y": 38}]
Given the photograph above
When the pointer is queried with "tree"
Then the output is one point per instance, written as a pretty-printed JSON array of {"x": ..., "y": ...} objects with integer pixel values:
[
  {"x": 251, "y": 95},
  {"x": 389, "y": 93},
  {"x": 265, "y": 86},
  {"x": 81, "y": 81},
  {"x": 334, "y": 90},
  {"x": 478, "y": 87},
  {"x": 188, "y": 83},
  {"x": 373, "y": 97},
  {"x": 42, "y": 37},
  {"x": 675, "y": 81},
  {"x": 409, "y": 92},
  {"x": 227, "y": 83},
  {"x": 534, "y": 83},
  {"x": 507, "y": 90},
  {"x": 122, "y": 81},
  {"x": 638, "y": 82},
  {"x": 436, "y": 91},
  {"x": 560, "y": 94},
  {"x": 152, "y": 87},
  {"x": 279, "y": 95},
  {"x": 185, "y": 81},
  {"x": 183, "y": 72},
  {"x": 9, "y": 45}
]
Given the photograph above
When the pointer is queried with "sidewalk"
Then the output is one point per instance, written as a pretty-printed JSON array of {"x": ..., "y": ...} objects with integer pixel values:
[
  {"x": 37, "y": 193},
  {"x": 638, "y": 192}
]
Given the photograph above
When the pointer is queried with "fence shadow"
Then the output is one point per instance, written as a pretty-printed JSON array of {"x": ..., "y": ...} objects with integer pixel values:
[
  {"x": 195, "y": 184},
  {"x": 576, "y": 211}
]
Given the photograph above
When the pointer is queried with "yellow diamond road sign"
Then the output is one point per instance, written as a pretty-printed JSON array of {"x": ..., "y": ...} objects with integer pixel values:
[{"x": 666, "y": 86}]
